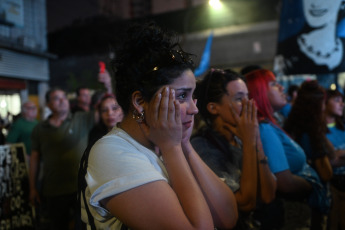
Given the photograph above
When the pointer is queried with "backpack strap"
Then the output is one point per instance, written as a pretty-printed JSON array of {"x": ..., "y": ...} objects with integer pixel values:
[{"x": 82, "y": 186}]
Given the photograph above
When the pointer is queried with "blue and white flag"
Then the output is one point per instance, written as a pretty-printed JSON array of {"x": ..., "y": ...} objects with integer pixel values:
[{"x": 205, "y": 58}]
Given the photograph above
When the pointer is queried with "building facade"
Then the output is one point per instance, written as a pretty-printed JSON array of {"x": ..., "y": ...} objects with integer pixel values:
[
  {"x": 24, "y": 60},
  {"x": 245, "y": 32}
]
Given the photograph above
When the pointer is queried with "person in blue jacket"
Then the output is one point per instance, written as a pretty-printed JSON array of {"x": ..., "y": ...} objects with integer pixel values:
[{"x": 287, "y": 160}]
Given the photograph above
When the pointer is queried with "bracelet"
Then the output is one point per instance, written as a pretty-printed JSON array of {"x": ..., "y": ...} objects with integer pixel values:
[{"x": 264, "y": 160}]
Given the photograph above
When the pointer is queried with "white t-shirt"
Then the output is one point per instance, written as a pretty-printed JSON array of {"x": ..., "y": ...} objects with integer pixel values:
[{"x": 116, "y": 164}]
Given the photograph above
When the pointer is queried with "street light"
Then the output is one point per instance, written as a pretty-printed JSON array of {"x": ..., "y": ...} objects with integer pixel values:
[
  {"x": 206, "y": 15},
  {"x": 216, "y": 4}
]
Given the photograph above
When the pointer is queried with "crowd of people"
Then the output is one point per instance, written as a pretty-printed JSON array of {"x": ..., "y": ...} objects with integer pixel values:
[{"x": 132, "y": 158}]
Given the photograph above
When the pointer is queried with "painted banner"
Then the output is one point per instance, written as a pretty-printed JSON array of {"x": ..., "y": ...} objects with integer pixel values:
[
  {"x": 15, "y": 211},
  {"x": 311, "y": 37}
]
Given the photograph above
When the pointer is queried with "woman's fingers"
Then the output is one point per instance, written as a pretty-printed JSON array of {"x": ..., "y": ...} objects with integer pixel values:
[
  {"x": 155, "y": 106},
  {"x": 163, "y": 107},
  {"x": 177, "y": 112},
  {"x": 171, "y": 107},
  {"x": 152, "y": 112},
  {"x": 254, "y": 111},
  {"x": 233, "y": 113},
  {"x": 231, "y": 129},
  {"x": 249, "y": 109}
]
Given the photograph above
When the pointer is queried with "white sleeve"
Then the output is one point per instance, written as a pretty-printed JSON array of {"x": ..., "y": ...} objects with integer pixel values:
[{"x": 115, "y": 167}]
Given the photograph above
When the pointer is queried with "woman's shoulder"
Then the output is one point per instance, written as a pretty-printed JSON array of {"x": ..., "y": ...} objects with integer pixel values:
[
  {"x": 116, "y": 139},
  {"x": 205, "y": 135},
  {"x": 266, "y": 126},
  {"x": 201, "y": 143},
  {"x": 120, "y": 145},
  {"x": 335, "y": 130},
  {"x": 200, "y": 133},
  {"x": 198, "y": 137},
  {"x": 271, "y": 133},
  {"x": 210, "y": 143}
]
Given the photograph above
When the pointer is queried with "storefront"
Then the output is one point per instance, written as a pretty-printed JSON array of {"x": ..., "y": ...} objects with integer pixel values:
[{"x": 23, "y": 76}]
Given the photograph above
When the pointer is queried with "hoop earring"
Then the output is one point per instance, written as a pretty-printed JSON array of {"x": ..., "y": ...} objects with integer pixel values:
[{"x": 138, "y": 117}]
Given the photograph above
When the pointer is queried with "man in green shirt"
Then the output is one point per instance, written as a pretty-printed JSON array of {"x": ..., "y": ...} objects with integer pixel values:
[
  {"x": 59, "y": 143},
  {"x": 20, "y": 130}
]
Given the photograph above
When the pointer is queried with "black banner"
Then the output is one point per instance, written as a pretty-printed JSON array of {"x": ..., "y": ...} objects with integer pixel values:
[
  {"x": 15, "y": 211},
  {"x": 311, "y": 37}
]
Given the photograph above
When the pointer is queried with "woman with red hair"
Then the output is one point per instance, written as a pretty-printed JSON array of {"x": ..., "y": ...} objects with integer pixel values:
[{"x": 287, "y": 160}]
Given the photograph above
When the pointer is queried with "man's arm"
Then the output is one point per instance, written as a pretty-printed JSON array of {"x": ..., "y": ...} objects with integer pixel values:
[
  {"x": 105, "y": 78},
  {"x": 33, "y": 169}
]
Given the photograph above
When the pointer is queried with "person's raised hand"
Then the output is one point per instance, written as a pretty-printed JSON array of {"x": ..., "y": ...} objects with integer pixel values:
[{"x": 105, "y": 78}]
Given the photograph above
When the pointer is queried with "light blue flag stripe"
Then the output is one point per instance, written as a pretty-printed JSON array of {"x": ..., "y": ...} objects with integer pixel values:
[{"x": 205, "y": 58}]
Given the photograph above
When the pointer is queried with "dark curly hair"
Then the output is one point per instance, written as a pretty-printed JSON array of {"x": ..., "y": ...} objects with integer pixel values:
[
  {"x": 149, "y": 58},
  {"x": 306, "y": 117},
  {"x": 212, "y": 88}
]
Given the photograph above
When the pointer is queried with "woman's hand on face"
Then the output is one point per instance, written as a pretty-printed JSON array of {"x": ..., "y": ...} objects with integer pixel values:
[
  {"x": 246, "y": 123},
  {"x": 186, "y": 145},
  {"x": 163, "y": 120},
  {"x": 188, "y": 132}
]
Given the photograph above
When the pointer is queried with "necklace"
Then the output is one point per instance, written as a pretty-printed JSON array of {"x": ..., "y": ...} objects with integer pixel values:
[{"x": 318, "y": 53}]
